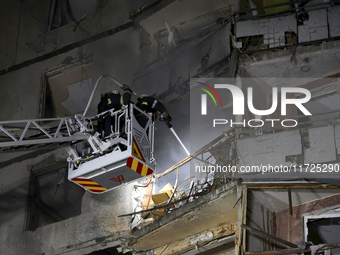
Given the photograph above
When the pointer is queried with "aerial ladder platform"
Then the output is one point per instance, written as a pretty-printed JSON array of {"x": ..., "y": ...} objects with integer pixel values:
[{"x": 97, "y": 164}]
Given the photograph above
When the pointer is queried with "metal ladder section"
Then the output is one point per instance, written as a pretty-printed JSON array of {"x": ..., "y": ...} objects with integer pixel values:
[{"x": 34, "y": 134}]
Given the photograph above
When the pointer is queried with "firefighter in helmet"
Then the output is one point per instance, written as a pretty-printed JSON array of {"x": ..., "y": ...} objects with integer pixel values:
[
  {"x": 149, "y": 104},
  {"x": 112, "y": 100}
]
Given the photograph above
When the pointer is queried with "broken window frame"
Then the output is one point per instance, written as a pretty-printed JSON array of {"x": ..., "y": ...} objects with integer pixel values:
[
  {"x": 241, "y": 245},
  {"x": 320, "y": 214},
  {"x": 47, "y": 107},
  {"x": 61, "y": 14}
]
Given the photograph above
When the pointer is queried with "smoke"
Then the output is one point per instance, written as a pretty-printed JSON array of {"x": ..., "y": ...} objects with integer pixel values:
[{"x": 168, "y": 150}]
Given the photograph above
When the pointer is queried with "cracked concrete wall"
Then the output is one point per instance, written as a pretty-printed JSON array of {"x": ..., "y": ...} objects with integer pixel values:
[
  {"x": 27, "y": 22},
  {"x": 210, "y": 211},
  {"x": 269, "y": 149},
  {"x": 273, "y": 148},
  {"x": 114, "y": 55},
  {"x": 118, "y": 55},
  {"x": 178, "y": 18},
  {"x": 333, "y": 21},
  {"x": 321, "y": 24},
  {"x": 273, "y": 29},
  {"x": 322, "y": 145},
  {"x": 97, "y": 225},
  {"x": 321, "y": 59},
  {"x": 315, "y": 28},
  {"x": 185, "y": 62}
]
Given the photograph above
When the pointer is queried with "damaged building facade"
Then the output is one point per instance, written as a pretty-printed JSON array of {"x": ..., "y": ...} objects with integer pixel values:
[{"x": 283, "y": 196}]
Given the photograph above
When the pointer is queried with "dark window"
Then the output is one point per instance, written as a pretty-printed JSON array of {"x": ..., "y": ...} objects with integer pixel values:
[
  {"x": 63, "y": 12},
  {"x": 52, "y": 198},
  {"x": 324, "y": 231},
  {"x": 111, "y": 250}
]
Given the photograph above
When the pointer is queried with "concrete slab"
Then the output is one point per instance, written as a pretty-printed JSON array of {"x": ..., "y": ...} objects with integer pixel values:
[
  {"x": 273, "y": 29},
  {"x": 269, "y": 149},
  {"x": 322, "y": 145},
  {"x": 214, "y": 209},
  {"x": 333, "y": 21},
  {"x": 316, "y": 28},
  {"x": 323, "y": 59}
]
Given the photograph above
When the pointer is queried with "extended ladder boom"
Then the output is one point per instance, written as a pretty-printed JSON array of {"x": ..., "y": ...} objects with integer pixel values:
[
  {"x": 100, "y": 163},
  {"x": 26, "y": 133}
]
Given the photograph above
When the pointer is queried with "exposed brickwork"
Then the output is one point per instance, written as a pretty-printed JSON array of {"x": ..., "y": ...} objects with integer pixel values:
[{"x": 290, "y": 227}]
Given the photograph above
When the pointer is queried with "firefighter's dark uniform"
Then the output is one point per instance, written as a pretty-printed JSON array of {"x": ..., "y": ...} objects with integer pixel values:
[
  {"x": 149, "y": 104},
  {"x": 126, "y": 97},
  {"x": 109, "y": 101}
]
